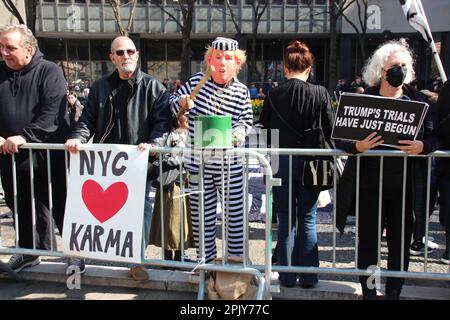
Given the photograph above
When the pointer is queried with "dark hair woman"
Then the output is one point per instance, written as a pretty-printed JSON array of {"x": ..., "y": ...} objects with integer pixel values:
[
  {"x": 74, "y": 108},
  {"x": 297, "y": 106}
]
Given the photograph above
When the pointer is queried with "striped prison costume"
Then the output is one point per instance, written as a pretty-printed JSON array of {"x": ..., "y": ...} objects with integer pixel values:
[{"x": 213, "y": 99}]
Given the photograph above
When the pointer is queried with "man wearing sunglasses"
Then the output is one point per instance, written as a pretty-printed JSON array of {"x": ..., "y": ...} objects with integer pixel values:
[{"x": 125, "y": 107}]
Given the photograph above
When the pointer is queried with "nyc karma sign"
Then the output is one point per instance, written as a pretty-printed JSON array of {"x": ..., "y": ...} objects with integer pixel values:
[{"x": 105, "y": 203}]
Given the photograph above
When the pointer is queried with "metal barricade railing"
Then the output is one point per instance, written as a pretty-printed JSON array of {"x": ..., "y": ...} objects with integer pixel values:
[
  {"x": 356, "y": 271},
  {"x": 262, "y": 272},
  {"x": 200, "y": 265}
]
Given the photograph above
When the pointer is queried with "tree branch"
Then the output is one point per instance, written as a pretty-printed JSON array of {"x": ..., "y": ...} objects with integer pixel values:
[
  {"x": 233, "y": 17},
  {"x": 115, "y": 5},
  {"x": 168, "y": 13},
  {"x": 13, "y": 9},
  {"x": 130, "y": 18}
]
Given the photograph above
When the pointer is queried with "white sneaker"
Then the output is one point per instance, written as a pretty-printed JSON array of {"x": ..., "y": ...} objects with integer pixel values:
[
  {"x": 431, "y": 244},
  {"x": 274, "y": 276}
]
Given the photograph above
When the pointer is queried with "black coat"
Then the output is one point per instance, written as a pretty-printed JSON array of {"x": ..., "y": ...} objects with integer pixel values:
[
  {"x": 346, "y": 190},
  {"x": 148, "y": 112},
  {"x": 443, "y": 164},
  {"x": 304, "y": 106}
]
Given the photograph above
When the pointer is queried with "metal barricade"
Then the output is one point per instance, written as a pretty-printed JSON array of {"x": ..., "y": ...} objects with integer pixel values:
[
  {"x": 262, "y": 272},
  {"x": 356, "y": 271},
  {"x": 200, "y": 264}
]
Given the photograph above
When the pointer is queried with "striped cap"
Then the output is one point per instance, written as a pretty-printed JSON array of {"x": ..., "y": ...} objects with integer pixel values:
[{"x": 225, "y": 44}]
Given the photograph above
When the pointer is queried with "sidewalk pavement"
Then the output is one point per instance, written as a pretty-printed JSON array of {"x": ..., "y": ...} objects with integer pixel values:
[{"x": 48, "y": 281}]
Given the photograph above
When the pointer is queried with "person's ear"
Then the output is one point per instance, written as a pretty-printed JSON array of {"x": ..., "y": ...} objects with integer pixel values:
[
  {"x": 29, "y": 51},
  {"x": 238, "y": 65},
  {"x": 308, "y": 71}
]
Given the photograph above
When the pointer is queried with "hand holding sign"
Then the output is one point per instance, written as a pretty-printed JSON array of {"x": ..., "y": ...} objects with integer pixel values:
[
  {"x": 370, "y": 142},
  {"x": 412, "y": 147}
]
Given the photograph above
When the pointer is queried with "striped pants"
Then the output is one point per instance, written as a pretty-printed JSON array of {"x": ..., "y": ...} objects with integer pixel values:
[{"x": 234, "y": 213}]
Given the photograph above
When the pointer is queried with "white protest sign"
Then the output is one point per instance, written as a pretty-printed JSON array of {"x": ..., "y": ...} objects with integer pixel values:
[{"x": 105, "y": 203}]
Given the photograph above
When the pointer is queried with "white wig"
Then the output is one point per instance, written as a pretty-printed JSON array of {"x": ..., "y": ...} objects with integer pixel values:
[{"x": 374, "y": 66}]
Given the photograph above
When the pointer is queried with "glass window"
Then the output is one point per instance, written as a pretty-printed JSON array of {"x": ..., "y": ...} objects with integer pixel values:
[
  {"x": 173, "y": 50},
  {"x": 101, "y": 68},
  {"x": 53, "y": 49},
  {"x": 198, "y": 48},
  {"x": 157, "y": 69},
  {"x": 78, "y": 49},
  {"x": 156, "y": 50},
  {"x": 77, "y": 71},
  {"x": 100, "y": 49}
]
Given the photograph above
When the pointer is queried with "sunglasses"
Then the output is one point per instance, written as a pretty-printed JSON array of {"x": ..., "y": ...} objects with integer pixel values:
[{"x": 120, "y": 53}]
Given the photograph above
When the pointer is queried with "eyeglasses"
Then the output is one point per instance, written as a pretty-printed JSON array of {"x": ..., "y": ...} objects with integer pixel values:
[{"x": 120, "y": 53}]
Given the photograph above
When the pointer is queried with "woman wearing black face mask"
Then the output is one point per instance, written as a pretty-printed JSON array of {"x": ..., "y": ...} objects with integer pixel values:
[{"x": 387, "y": 73}]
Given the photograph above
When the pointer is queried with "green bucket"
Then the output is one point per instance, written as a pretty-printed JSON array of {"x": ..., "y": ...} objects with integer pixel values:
[{"x": 212, "y": 132}]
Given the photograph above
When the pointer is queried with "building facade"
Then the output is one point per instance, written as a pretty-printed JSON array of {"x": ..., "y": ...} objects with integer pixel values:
[{"x": 77, "y": 34}]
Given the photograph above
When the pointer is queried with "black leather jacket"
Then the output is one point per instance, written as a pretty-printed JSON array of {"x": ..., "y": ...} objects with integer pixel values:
[{"x": 148, "y": 111}]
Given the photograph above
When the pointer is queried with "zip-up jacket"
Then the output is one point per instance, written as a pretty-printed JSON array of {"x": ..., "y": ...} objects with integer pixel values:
[{"x": 148, "y": 111}]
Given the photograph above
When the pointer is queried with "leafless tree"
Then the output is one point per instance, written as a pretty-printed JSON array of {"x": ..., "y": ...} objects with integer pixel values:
[
  {"x": 336, "y": 9},
  {"x": 258, "y": 9},
  {"x": 30, "y": 12},
  {"x": 361, "y": 26},
  {"x": 11, "y": 7},
  {"x": 186, "y": 8},
  {"x": 115, "y": 5}
]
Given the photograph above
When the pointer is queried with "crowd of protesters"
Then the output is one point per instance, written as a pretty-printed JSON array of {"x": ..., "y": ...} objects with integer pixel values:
[{"x": 58, "y": 113}]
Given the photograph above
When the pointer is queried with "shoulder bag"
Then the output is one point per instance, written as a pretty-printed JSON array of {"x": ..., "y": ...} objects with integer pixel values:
[{"x": 318, "y": 171}]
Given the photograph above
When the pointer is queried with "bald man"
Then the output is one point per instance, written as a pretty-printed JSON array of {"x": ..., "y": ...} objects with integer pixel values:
[{"x": 127, "y": 106}]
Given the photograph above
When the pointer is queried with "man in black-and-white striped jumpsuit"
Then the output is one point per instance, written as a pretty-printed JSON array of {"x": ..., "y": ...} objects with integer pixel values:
[{"x": 222, "y": 94}]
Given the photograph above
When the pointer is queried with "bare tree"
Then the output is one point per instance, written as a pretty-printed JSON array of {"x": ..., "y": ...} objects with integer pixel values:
[
  {"x": 11, "y": 7},
  {"x": 115, "y": 5},
  {"x": 30, "y": 13},
  {"x": 361, "y": 28},
  {"x": 336, "y": 9},
  {"x": 187, "y": 8},
  {"x": 258, "y": 9}
]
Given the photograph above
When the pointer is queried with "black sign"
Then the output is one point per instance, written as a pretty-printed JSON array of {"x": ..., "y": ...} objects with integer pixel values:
[{"x": 359, "y": 115}]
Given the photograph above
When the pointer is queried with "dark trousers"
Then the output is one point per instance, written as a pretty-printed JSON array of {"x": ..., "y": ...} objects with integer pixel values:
[
  {"x": 444, "y": 207},
  {"x": 44, "y": 232},
  {"x": 392, "y": 217}
]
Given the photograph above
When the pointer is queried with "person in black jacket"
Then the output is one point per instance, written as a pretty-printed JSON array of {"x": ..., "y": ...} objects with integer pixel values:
[
  {"x": 387, "y": 73},
  {"x": 443, "y": 165},
  {"x": 125, "y": 107},
  {"x": 32, "y": 106},
  {"x": 299, "y": 106}
]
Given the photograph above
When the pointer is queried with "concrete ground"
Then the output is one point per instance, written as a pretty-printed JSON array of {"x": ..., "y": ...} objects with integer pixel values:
[{"x": 104, "y": 280}]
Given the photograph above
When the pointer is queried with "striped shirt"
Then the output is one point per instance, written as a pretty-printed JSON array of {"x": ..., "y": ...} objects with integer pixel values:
[{"x": 213, "y": 99}]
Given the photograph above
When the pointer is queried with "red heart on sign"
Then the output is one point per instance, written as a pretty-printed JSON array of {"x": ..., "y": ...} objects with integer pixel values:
[{"x": 104, "y": 204}]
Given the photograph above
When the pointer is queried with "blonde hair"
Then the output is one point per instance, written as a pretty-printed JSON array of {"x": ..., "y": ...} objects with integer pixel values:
[
  {"x": 27, "y": 37},
  {"x": 373, "y": 69},
  {"x": 238, "y": 54}
]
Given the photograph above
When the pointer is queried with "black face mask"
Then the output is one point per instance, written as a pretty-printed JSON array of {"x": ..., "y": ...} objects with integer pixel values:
[{"x": 396, "y": 75}]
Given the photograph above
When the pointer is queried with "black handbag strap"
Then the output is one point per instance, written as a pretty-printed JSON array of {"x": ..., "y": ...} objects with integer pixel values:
[{"x": 301, "y": 136}]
